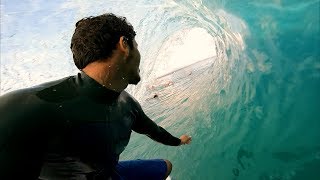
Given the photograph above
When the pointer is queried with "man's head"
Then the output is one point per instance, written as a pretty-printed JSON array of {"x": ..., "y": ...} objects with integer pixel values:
[{"x": 103, "y": 37}]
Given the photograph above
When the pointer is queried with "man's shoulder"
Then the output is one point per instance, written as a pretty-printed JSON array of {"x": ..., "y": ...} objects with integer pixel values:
[
  {"x": 50, "y": 84},
  {"x": 34, "y": 91},
  {"x": 58, "y": 90},
  {"x": 128, "y": 98}
]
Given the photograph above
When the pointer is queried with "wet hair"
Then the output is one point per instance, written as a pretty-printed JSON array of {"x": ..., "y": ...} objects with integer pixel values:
[{"x": 95, "y": 38}]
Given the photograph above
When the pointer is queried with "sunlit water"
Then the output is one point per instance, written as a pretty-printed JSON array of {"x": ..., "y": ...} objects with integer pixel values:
[{"x": 241, "y": 77}]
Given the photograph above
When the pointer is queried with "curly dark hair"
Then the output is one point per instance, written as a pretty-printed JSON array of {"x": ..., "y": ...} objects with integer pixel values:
[{"x": 96, "y": 37}]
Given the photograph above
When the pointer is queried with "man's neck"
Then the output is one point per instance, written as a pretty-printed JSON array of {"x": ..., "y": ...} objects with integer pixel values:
[{"x": 107, "y": 74}]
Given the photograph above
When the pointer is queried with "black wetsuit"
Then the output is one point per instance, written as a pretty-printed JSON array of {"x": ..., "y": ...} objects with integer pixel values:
[{"x": 69, "y": 128}]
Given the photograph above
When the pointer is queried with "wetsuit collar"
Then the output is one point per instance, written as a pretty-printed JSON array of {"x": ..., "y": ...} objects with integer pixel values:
[{"x": 93, "y": 89}]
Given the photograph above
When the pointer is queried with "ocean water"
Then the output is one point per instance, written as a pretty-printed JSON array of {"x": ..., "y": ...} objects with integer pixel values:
[{"x": 241, "y": 77}]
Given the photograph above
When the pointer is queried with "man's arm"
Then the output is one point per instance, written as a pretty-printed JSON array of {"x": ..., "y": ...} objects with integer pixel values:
[{"x": 144, "y": 125}]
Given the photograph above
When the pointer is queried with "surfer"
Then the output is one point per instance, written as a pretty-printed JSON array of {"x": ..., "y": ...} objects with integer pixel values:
[{"x": 77, "y": 127}]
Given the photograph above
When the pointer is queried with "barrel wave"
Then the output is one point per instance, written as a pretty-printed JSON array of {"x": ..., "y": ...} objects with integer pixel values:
[{"x": 241, "y": 77}]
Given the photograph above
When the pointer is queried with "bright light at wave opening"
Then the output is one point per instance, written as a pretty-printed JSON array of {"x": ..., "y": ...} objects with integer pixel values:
[{"x": 183, "y": 48}]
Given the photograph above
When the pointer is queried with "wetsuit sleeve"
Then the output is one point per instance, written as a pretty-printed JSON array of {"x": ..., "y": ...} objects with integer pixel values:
[
  {"x": 21, "y": 139},
  {"x": 144, "y": 125}
]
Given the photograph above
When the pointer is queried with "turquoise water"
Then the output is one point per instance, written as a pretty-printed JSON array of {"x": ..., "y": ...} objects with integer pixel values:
[
  {"x": 241, "y": 77},
  {"x": 254, "y": 114}
]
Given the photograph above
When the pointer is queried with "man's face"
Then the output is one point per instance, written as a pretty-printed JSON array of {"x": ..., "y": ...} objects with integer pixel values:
[{"x": 133, "y": 64}]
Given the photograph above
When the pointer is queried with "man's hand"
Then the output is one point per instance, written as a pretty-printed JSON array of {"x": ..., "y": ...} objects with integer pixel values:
[{"x": 185, "y": 139}]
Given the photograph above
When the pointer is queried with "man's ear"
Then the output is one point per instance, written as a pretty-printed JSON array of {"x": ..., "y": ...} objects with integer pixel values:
[{"x": 124, "y": 46}]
